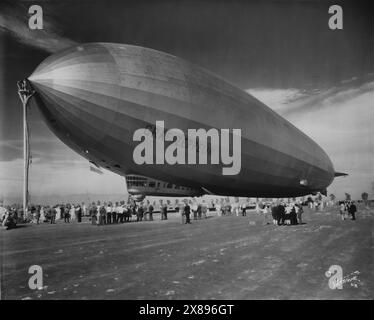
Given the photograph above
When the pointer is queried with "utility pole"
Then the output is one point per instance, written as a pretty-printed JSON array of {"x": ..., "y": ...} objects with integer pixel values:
[{"x": 25, "y": 92}]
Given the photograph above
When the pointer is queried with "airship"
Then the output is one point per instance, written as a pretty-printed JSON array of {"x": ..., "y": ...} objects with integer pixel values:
[{"x": 95, "y": 96}]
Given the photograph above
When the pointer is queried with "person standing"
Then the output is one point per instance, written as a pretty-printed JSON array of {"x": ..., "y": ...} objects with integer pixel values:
[
  {"x": 274, "y": 214},
  {"x": 204, "y": 210},
  {"x": 181, "y": 212},
  {"x": 119, "y": 212},
  {"x": 84, "y": 209},
  {"x": 67, "y": 214},
  {"x": 228, "y": 208},
  {"x": 109, "y": 214},
  {"x": 164, "y": 211},
  {"x": 42, "y": 213},
  {"x": 140, "y": 212},
  {"x": 342, "y": 211},
  {"x": 145, "y": 209},
  {"x": 58, "y": 212},
  {"x": 102, "y": 215},
  {"x": 98, "y": 219},
  {"x": 72, "y": 213},
  {"x": 352, "y": 210},
  {"x": 125, "y": 210},
  {"x": 299, "y": 213},
  {"x": 258, "y": 208},
  {"x": 288, "y": 210},
  {"x": 93, "y": 213},
  {"x": 199, "y": 211},
  {"x": 236, "y": 208},
  {"x": 218, "y": 209},
  {"x": 194, "y": 210},
  {"x": 115, "y": 217},
  {"x": 187, "y": 211},
  {"x": 62, "y": 210},
  {"x": 79, "y": 214},
  {"x": 281, "y": 214},
  {"x": 129, "y": 212},
  {"x": 53, "y": 215},
  {"x": 293, "y": 215},
  {"x": 37, "y": 213},
  {"x": 265, "y": 212},
  {"x": 150, "y": 212},
  {"x": 243, "y": 208}
]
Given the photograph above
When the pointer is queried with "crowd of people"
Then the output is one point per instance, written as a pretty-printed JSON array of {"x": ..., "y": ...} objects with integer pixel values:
[
  {"x": 287, "y": 213},
  {"x": 282, "y": 213},
  {"x": 41, "y": 214},
  {"x": 99, "y": 213},
  {"x": 198, "y": 209},
  {"x": 103, "y": 213},
  {"x": 120, "y": 212},
  {"x": 348, "y": 208}
]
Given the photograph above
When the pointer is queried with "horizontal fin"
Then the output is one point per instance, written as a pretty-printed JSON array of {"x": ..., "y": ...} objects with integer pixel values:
[{"x": 340, "y": 174}]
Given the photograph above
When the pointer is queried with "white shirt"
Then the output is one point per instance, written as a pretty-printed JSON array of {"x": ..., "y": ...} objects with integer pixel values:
[
  {"x": 58, "y": 213},
  {"x": 3, "y": 212},
  {"x": 72, "y": 213}
]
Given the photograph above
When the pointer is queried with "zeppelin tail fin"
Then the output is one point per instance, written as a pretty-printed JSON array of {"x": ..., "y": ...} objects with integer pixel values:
[{"x": 340, "y": 174}]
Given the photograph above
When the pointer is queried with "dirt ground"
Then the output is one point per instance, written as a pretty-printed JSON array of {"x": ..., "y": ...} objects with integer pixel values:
[{"x": 218, "y": 258}]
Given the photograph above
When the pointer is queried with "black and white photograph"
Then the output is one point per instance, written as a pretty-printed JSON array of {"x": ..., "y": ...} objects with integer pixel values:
[{"x": 205, "y": 151}]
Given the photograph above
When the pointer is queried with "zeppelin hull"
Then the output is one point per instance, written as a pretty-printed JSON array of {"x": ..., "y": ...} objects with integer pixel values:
[{"x": 95, "y": 96}]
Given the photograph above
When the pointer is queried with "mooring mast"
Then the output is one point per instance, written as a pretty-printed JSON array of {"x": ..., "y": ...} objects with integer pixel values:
[{"x": 25, "y": 92}]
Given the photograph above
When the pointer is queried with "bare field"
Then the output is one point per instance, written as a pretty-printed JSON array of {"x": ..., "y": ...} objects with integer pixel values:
[{"x": 217, "y": 258}]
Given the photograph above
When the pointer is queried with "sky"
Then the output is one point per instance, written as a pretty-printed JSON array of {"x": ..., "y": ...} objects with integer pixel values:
[{"x": 280, "y": 51}]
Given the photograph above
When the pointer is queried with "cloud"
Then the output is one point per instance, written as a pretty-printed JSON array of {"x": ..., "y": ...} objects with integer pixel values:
[
  {"x": 295, "y": 101},
  {"x": 340, "y": 120},
  {"x": 276, "y": 98},
  {"x": 14, "y": 21}
]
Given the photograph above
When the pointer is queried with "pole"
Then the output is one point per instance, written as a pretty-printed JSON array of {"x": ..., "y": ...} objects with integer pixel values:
[
  {"x": 25, "y": 92},
  {"x": 25, "y": 160}
]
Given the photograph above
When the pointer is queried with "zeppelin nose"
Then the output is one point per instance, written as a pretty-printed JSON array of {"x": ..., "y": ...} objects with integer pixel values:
[{"x": 69, "y": 90}]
